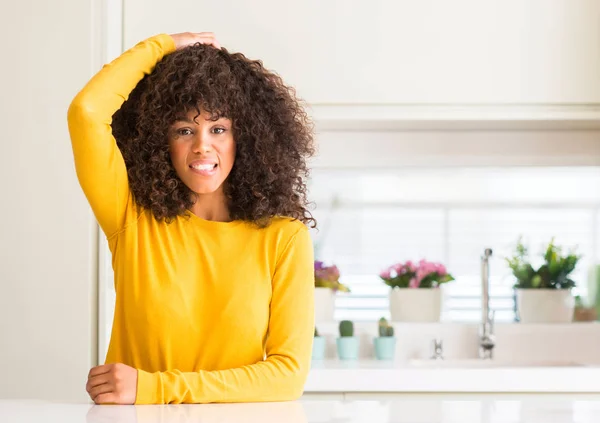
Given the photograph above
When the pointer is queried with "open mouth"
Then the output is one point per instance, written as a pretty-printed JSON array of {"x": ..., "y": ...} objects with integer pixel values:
[
  {"x": 205, "y": 166},
  {"x": 204, "y": 169}
]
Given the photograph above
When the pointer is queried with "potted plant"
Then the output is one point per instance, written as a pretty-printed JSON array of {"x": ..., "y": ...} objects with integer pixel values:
[
  {"x": 415, "y": 294},
  {"x": 347, "y": 343},
  {"x": 327, "y": 284},
  {"x": 544, "y": 294},
  {"x": 385, "y": 343},
  {"x": 318, "y": 350},
  {"x": 584, "y": 312}
]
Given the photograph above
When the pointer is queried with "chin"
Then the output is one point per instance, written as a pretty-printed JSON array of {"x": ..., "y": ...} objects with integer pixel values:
[{"x": 204, "y": 189}]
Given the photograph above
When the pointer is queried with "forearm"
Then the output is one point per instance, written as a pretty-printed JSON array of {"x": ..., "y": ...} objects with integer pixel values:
[
  {"x": 276, "y": 379},
  {"x": 104, "y": 94}
]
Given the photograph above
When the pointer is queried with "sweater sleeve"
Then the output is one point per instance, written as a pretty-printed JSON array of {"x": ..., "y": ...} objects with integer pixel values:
[
  {"x": 99, "y": 164},
  {"x": 282, "y": 375}
]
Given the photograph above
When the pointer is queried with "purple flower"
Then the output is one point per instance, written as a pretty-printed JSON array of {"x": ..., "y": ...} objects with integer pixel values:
[
  {"x": 330, "y": 273},
  {"x": 414, "y": 283},
  {"x": 441, "y": 270},
  {"x": 411, "y": 266},
  {"x": 398, "y": 268},
  {"x": 328, "y": 277},
  {"x": 424, "y": 274}
]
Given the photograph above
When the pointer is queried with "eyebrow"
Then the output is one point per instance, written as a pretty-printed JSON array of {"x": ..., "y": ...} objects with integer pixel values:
[
  {"x": 184, "y": 119},
  {"x": 188, "y": 120}
]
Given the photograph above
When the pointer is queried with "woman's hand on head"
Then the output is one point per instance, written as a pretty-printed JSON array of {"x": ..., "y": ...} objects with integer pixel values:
[{"x": 185, "y": 39}]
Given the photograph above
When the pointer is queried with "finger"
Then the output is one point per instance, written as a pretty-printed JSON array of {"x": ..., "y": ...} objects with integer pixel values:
[
  {"x": 101, "y": 389},
  {"x": 97, "y": 380},
  {"x": 209, "y": 41},
  {"x": 108, "y": 398},
  {"x": 207, "y": 38},
  {"x": 98, "y": 370}
]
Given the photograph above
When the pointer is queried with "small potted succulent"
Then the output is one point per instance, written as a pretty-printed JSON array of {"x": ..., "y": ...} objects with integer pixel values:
[
  {"x": 385, "y": 343},
  {"x": 347, "y": 343},
  {"x": 318, "y": 350},
  {"x": 327, "y": 284},
  {"x": 415, "y": 294},
  {"x": 544, "y": 293}
]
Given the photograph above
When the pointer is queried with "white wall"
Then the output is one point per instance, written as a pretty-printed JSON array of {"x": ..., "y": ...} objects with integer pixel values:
[{"x": 48, "y": 257}]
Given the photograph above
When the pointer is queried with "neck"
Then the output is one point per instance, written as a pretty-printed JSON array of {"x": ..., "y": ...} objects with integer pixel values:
[{"x": 212, "y": 206}]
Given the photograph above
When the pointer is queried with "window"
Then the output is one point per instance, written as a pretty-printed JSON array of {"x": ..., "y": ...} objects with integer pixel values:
[{"x": 369, "y": 219}]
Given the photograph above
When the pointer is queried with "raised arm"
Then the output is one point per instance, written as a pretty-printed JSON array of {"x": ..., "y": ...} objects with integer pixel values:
[
  {"x": 282, "y": 375},
  {"x": 98, "y": 161}
]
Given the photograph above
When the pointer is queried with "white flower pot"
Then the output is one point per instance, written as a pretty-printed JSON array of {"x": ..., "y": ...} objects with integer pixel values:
[
  {"x": 324, "y": 305},
  {"x": 416, "y": 304},
  {"x": 545, "y": 305}
]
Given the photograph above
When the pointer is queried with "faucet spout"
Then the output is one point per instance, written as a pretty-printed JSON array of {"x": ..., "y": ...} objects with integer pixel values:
[{"x": 486, "y": 331}]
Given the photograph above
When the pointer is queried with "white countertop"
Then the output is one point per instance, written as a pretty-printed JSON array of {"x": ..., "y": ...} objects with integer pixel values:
[
  {"x": 404, "y": 409},
  {"x": 451, "y": 376}
]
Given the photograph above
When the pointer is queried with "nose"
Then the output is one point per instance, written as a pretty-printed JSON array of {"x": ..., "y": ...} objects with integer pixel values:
[{"x": 202, "y": 143}]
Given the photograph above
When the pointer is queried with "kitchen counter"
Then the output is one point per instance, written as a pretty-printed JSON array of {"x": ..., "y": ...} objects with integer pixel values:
[
  {"x": 403, "y": 409},
  {"x": 451, "y": 376}
]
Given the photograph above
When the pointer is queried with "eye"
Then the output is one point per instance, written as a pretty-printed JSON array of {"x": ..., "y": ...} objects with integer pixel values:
[
  {"x": 219, "y": 129},
  {"x": 184, "y": 131}
]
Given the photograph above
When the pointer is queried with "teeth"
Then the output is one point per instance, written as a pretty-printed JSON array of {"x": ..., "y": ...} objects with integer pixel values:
[{"x": 204, "y": 166}]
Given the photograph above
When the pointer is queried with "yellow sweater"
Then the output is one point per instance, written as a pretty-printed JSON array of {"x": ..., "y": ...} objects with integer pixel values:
[{"x": 206, "y": 311}]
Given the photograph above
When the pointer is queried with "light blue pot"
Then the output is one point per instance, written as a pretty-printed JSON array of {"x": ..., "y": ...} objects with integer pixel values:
[
  {"x": 347, "y": 347},
  {"x": 318, "y": 351},
  {"x": 385, "y": 347}
]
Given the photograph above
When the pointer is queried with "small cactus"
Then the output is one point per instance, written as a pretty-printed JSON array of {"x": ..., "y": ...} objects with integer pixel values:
[
  {"x": 385, "y": 329},
  {"x": 346, "y": 328},
  {"x": 316, "y": 332}
]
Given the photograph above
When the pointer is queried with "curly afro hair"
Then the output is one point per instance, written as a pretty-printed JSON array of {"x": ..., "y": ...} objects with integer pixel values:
[{"x": 272, "y": 132}]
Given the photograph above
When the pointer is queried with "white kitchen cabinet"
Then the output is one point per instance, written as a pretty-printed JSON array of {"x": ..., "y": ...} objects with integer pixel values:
[{"x": 413, "y": 53}]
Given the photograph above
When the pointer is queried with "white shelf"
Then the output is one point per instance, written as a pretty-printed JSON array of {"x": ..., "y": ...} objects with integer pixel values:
[{"x": 388, "y": 117}]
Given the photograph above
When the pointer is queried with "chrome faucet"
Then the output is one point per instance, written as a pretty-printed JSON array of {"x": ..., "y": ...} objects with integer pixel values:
[
  {"x": 437, "y": 350},
  {"x": 486, "y": 330}
]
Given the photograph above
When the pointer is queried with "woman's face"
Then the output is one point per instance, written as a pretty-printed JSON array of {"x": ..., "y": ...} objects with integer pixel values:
[{"x": 202, "y": 151}]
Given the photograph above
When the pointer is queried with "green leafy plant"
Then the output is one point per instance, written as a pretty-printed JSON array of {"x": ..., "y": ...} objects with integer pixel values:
[
  {"x": 552, "y": 274},
  {"x": 346, "y": 328},
  {"x": 385, "y": 329}
]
